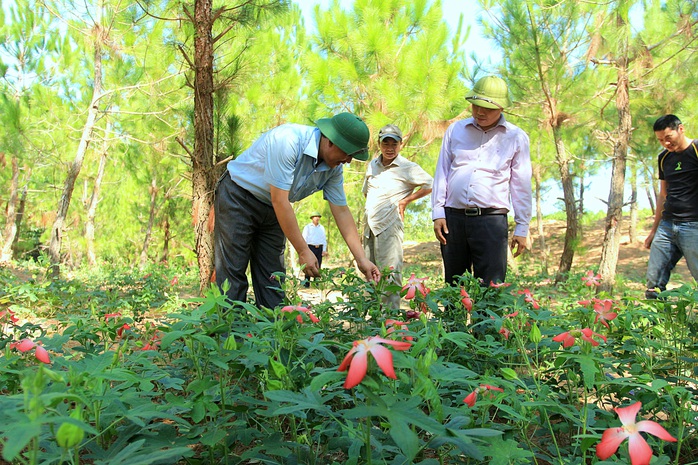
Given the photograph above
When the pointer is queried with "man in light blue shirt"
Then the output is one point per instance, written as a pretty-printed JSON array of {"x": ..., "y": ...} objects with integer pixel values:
[
  {"x": 314, "y": 235},
  {"x": 253, "y": 212}
]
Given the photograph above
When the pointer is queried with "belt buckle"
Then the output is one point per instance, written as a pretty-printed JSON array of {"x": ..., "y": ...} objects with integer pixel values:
[{"x": 473, "y": 211}]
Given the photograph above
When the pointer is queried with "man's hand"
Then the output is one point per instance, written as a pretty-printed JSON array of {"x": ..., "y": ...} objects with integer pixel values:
[
  {"x": 307, "y": 258},
  {"x": 649, "y": 239},
  {"x": 440, "y": 230},
  {"x": 518, "y": 245},
  {"x": 369, "y": 269}
]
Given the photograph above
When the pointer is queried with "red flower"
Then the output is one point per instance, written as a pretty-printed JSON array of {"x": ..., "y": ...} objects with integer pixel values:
[
  {"x": 413, "y": 285},
  {"x": 640, "y": 451},
  {"x": 174, "y": 281},
  {"x": 411, "y": 315},
  {"x": 498, "y": 285},
  {"x": 591, "y": 280},
  {"x": 466, "y": 300},
  {"x": 111, "y": 315},
  {"x": 568, "y": 338},
  {"x": 504, "y": 332},
  {"x": 393, "y": 325},
  {"x": 153, "y": 344},
  {"x": 603, "y": 309},
  {"x": 357, "y": 359},
  {"x": 300, "y": 310},
  {"x": 120, "y": 331},
  {"x": 484, "y": 388},
  {"x": 529, "y": 298},
  {"x": 13, "y": 318},
  {"x": 25, "y": 345}
]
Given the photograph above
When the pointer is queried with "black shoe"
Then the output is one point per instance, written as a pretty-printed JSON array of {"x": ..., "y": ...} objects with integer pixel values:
[{"x": 651, "y": 294}]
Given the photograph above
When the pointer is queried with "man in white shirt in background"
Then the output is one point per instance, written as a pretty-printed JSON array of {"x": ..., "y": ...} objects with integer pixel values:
[
  {"x": 315, "y": 237},
  {"x": 392, "y": 182},
  {"x": 484, "y": 167}
]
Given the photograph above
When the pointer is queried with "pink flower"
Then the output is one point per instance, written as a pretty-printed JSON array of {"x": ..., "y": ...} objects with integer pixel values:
[
  {"x": 300, "y": 310},
  {"x": 498, "y": 285},
  {"x": 25, "y": 345},
  {"x": 10, "y": 314},
  {"x": 357, "y": 359},
  {"x": 591, "y": 280},
  {"x": 505, "y": 332},
  {"x": 529, "y": 298},
  {"x": 568, "y": 338},
  {"x": 483, "y": 389},
  {"x": 393, "y": 325},
  {"x": 467, "y": 301},
  {"x": 603, "y": 309},
  {"x": 413, "y": 285},
  {"x": 640, "y": 451}
]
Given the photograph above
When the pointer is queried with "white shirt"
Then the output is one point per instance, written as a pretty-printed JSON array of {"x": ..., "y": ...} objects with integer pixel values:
[
  {"x": 315, "y": 235},
  {"x": 486, "y": 169}
]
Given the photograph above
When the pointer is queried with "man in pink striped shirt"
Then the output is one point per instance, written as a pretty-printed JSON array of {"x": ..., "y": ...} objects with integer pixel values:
[{"x": 483, "y": 170}]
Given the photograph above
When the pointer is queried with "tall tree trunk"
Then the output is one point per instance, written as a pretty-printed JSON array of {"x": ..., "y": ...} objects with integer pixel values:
[
  {"x": 651, "y": 191},
  {"x": 167, "y": 237},
  {"x": 151, "y": 220},
  {"x": 632, "y": 229},
  {"x": 74, "y": 169},
  {"x": 614, "y": 216},
  {"x": 92, "y": 208},
  {"x": 203, "y": 175},
  {"x": 572, "y": 232},
  {"x": 539, "y": 218},
  {"x": 20, "y": 214},
  {"x": 11, "y": 215}
]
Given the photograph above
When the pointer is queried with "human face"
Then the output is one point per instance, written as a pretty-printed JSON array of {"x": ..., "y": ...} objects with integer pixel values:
[
  {"x": 332, "y": 154},
  {"x": 316, "y": 220},
  {"x": 390, "y": 149},
  {"x": 673, "y": 140},
  {"x": 486, "y": 118}
]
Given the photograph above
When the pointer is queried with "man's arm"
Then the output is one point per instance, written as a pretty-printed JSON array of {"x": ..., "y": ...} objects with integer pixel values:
[
  {"x": 289, "y": 225},
  {"x": 347, "y": 226},
  {"x": 415, "y": 195},
  {"x": 661, "y": 198}
]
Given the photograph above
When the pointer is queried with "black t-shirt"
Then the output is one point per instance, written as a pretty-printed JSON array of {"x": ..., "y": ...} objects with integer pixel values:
[{"x": 680, "y": 171}]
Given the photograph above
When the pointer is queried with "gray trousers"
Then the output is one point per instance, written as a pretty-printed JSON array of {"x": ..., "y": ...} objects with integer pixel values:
[
  {"x": 385, "y": 250},
  {"x": 247, "y": 232}
]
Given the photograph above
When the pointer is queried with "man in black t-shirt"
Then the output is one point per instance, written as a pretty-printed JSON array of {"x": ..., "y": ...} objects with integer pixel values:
[{"x": 675, "y": 229}]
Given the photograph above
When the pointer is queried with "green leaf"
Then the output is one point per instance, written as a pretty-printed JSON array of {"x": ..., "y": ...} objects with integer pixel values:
[
  {"x": 17, "y": 437},
  {"x": 508, "y": 452},
  {"x": 589, "y": 369}
]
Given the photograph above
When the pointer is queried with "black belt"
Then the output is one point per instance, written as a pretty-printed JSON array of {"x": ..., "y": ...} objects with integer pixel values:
[
  {"x": 477, "y": 211},
  {"x": 315, "y": 246}
]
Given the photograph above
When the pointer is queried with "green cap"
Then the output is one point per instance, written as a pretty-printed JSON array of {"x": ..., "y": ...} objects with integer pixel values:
[
  {"x": 314, "y": 214},
  {"x": 348, "y": 132},
  {"x": 490, "y": 92}
]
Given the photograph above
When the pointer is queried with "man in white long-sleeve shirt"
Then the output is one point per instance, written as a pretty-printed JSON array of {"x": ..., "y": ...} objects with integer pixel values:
[
  {"x": 484, "y": 168},
  {"x": 315, "y": 237}
]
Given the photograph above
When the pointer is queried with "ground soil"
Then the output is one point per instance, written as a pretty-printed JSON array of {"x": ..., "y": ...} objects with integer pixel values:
[{"x": 632, "y": 258}]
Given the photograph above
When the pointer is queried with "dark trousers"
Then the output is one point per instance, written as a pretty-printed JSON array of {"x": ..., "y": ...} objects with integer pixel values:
[
  {"x": 317, "y": 251},
  {"x": 247, "y": 232},
  {"x": 476, "y": 244}
]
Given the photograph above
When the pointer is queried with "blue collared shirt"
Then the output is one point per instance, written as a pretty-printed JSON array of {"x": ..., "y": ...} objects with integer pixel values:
[{"x": 286, "y": 157}]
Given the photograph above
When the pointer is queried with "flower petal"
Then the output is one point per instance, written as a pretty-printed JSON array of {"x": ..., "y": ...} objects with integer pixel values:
[
  {"x": 42, "y": 355},
  {"x": 347, "y": 359},
  {"x": 357, "y": 370},
  {"x": 627, "y": 414},
  {"x": 656, "y": 429},
  {"x": 640, "y": 451},
  {"x": 384, "y": 357},
  {"x": 25, "y": 345},
  {"x": 610, "y": 440},
  {"x": 397, "y": 345},
  {"x": 471, "y": 398}
]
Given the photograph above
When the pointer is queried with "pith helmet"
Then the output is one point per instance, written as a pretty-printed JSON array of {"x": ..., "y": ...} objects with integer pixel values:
[
  {"x": 490, "y": 92},
  {"x": 314, "y": 214},
  {"x": 390, "y": 130},
  {"x": 348, "y": 132}
]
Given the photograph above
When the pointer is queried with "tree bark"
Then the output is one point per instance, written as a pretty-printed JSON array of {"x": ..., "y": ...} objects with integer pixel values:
[
  {"x": 11, "y": 215},
  {"x": 632, "y": 227},
  {"x": 74, "y": 169},
  {"x": 572, "y": 232},
  {"x": 151, "y": 221},
  {"x": 20, "y": 214},
  {"x": 203, "y": 176},
  {"x": 614, "y": 216},
  {"x": 92, "y": 209}
]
